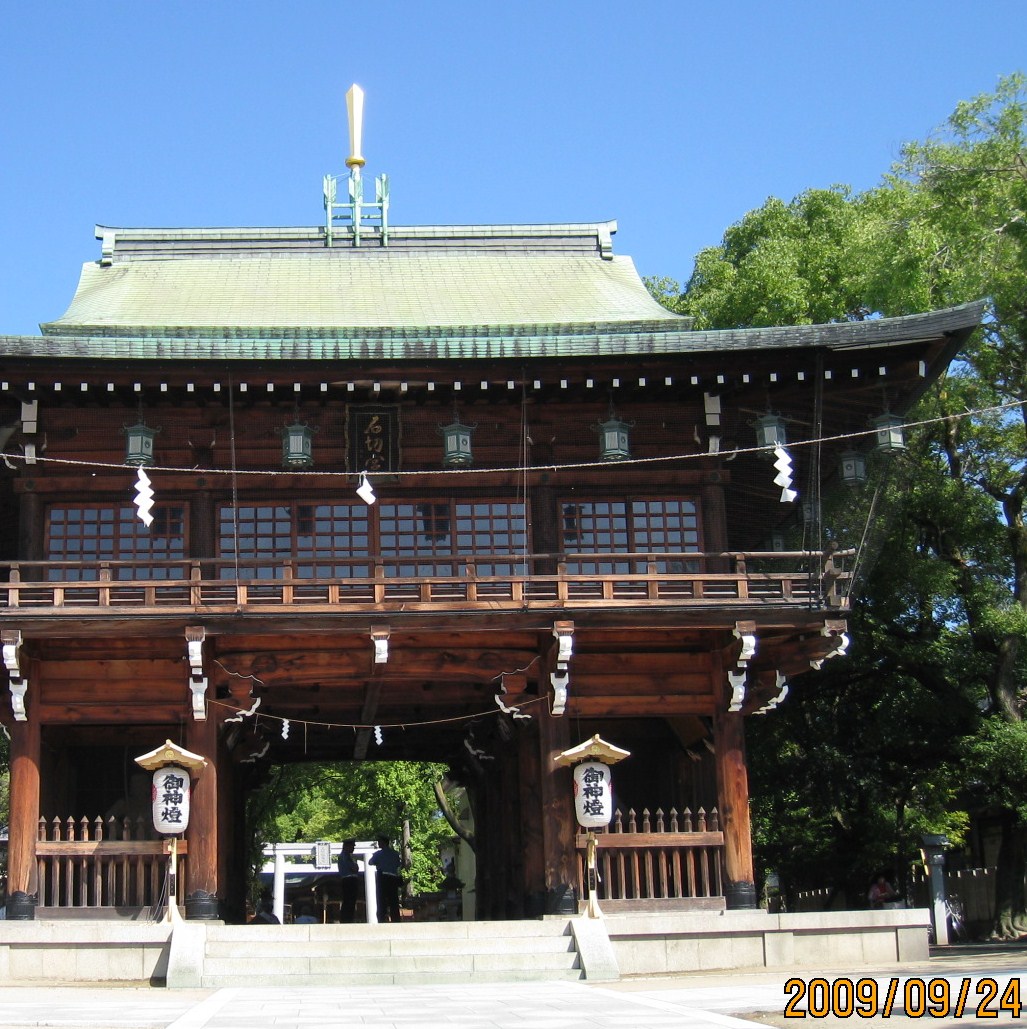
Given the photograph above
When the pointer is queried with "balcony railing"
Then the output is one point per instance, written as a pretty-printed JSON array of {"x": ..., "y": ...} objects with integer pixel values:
[{"x": 801, "y": 578}]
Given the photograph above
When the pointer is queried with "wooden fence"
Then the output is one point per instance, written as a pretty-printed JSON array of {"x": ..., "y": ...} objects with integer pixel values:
[
  {"x": 973, "y": 888},
  {"x": 663, "y": 862},
  {"x": 93, "y": 863}
]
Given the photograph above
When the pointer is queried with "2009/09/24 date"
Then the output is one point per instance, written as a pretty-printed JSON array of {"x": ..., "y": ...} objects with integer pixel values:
[{"x": 913, "y": 997}]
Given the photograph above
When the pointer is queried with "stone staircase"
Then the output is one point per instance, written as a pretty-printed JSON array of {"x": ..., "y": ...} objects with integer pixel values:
[{"x": 214, "y": 955}]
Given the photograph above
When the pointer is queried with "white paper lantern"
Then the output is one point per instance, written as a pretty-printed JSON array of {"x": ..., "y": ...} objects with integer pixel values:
[
  {"x": 171, "y": 799},
  {"x": 593, "y": 794}
]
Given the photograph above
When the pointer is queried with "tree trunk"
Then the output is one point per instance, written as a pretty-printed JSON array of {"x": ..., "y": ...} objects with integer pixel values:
[{"x": 1010, "y": 913}]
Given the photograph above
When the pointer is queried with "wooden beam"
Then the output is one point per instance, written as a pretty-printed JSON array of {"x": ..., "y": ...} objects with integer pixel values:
[
  {"x": 638, "y": 684},
  {"x": 406, "y": 661},
  {"x": 111, "y": 714},
  {"x": 631, "y": 706}
]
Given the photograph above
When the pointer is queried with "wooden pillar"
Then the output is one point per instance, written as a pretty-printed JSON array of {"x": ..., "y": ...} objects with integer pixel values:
[
  {"x": 512, "y": 847},
  {"x": 545, "y": 528},
  {"x": 202, "y": 896},
  {"x": 714, "y": 521},
  {"x": 533, "y": 868},
  {"x": 557, "y": 812},
  {"x": 202, "y": 527},
  {"x": 31, "y": 527},
  {"x": 733, "y": 801},
  {"x": 22, "y": 872},
  {"x": 232, "y": 828}
]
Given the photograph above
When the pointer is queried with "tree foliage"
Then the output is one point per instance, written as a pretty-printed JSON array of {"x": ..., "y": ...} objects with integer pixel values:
[
  {"x": 940, "y": 658},
  {"x": 316, "y": 801}
]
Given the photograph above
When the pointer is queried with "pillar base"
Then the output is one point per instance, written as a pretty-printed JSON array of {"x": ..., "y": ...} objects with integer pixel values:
[
  {"x": 21, "y": 906},
  {"x": 561, "y": 900},
  {"x": 201, "y": 905},
  {"x": 740, "y": 896}
]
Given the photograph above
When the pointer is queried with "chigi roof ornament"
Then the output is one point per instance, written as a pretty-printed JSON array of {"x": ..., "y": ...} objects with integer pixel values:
[{"x": 356, "y": 212}]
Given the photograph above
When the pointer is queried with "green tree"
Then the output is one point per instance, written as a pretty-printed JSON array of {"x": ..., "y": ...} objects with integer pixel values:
[
  {"x": 315, "y": 801},
  {"x": 948, "y": 225},
  {"x": 783, "y": 264},
  {"x": 954, "y": 214}
]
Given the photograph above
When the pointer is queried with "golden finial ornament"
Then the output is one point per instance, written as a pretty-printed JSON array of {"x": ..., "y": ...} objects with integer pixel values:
[{"x": 355, "y": 109}]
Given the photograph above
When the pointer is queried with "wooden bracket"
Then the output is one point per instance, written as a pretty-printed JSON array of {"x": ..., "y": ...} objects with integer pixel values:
[
  {"x": 198, "y": 682},
  {"x": 834, "y": 630},
  {"x": 781, "y": 686},
  {"x": 737, "y": 683},
  {"x": 746, "y": 632},
  {"x": 19, "y": 684},
  {"x": 559, "y": 678},
  {"x": 380, "y": 641}
]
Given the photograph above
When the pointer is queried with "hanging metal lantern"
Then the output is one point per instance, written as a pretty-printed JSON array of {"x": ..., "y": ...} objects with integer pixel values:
[
  {"x": 139, "y": 444},
  {"x": 852, "y": 467},
  {"x": 770, "y": 431},
  {"x": 297, "y": 446},
  {"x": 889, "y": 436},
  {"x": 593, "y": 794},
  {"x": 614, "y": 440},
  {"x": 456, "y": 444},
  {"x": 171, "y": 787}
]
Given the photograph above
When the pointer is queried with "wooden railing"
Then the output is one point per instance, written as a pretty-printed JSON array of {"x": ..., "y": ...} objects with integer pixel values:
[
  {"x": 741, "y": 579},
  {"x": 672, "y": 861},
  {"x": 85, "y": 863}
]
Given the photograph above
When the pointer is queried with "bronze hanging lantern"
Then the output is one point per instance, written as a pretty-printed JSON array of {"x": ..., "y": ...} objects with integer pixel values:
[
  {"x": 456, "y": 443},
  {"x": 297, "y": 446},
  {"x": 889, "y": 436},
  {"x": 139, "y": 444},
  {"x": 770, "y": 431},
  {"x": 852, "y": 467},
  {"x": 614, "y": 437}
]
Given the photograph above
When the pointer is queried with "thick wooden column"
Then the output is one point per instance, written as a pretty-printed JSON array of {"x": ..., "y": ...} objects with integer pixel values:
[
  {"x": 202, "y": 896},
  {"x": 557, "y": 812},
  {"x": 733, "y": 802},
  {"x": 232, "y": 827},
  {"x": 22, "y": 874},
  {"x": 714, "y": 522},
  {"x": 533, "y": 868},
  {"x": 31, "y": 525}
]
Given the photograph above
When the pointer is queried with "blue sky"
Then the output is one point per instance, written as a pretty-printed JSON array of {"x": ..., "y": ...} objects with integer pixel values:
[{"x": 674, "y": 118}]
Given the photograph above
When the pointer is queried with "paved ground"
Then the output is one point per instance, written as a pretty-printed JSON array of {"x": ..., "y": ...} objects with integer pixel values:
[{"x": 728, "y": 999}]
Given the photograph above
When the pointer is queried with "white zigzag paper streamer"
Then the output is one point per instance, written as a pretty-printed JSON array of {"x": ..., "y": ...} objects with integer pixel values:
[
  {"x": 378, "y": 735},
  {"x": 144, "y": 497},
  {"x": 783, "y": 464}
]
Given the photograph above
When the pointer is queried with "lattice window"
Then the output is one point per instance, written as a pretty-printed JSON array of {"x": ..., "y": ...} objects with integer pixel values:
[
  {"x": 326, "y": 533},
  {"x": 416, "y": 539},
  {"x": 638, "y": 526},
  {"x": 113, "y": 532},
  {"x": 492, "y": 529},
  {"x": 321, "y": 540}
]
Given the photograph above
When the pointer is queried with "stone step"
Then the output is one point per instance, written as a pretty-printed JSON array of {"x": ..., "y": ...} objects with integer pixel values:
[
  {"x": 405, "y": 953},
  {"x": 373, "y": 950},
  {"x": 531, "y": 928},
  {"x": 420, "y": 978}
]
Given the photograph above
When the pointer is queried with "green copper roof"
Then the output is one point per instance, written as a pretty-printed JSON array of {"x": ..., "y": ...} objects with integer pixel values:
[
  {"x": 279, "y": 281},
  {"x": 499, "y": 342}
]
